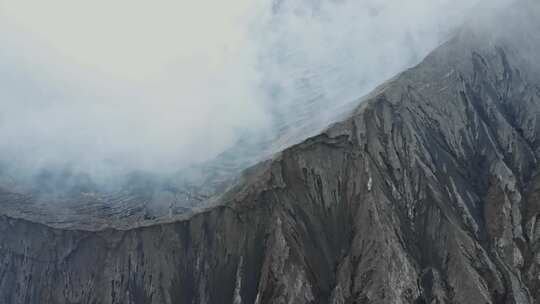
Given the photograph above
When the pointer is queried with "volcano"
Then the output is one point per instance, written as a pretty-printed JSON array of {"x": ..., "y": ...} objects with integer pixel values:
[{"x": 427, "y": 192}]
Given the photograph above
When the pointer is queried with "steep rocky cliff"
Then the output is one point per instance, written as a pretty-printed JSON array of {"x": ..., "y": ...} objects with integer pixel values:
[{"x": 429, "y": 192}]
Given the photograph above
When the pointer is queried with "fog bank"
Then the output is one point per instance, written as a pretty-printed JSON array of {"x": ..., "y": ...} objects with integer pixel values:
[{"x": 110, "y": 87}]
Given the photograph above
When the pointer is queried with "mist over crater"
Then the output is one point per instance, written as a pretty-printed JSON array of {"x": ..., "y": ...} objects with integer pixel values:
[{"x": 169, "y": 100}]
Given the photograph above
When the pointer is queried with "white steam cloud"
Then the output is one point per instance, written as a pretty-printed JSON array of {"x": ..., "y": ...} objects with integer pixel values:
[
  {"x": 110, "y": 86},
  {"x": 117, "y": 85}
]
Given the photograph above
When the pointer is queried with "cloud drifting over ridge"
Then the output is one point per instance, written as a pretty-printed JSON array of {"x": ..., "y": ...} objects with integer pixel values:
[{"x": 114, "y": 86}]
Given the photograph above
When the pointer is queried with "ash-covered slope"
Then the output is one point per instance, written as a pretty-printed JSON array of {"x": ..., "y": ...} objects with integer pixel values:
[{"x": 428, "y": 193}]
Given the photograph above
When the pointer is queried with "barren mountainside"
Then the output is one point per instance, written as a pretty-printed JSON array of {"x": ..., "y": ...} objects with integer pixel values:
[{"x": 428, "y": 192}]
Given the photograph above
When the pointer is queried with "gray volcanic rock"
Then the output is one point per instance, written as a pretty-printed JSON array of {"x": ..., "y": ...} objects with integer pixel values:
[{"x": 429, "y": 192}]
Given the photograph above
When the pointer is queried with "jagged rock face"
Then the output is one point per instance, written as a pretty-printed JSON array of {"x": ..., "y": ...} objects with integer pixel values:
[{"x": 428, "y": 193}]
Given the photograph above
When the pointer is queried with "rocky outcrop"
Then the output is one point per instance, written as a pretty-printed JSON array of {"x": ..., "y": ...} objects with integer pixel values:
[{"x": 428, "y": 193}]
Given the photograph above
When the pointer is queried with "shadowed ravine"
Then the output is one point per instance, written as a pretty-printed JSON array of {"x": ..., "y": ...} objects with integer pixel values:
[{"x": 428, "y": 193}]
